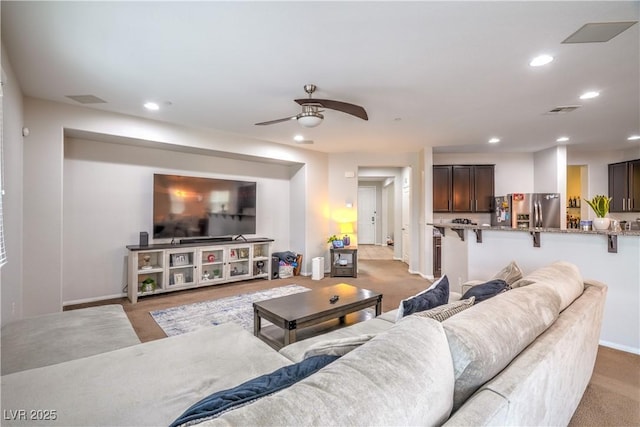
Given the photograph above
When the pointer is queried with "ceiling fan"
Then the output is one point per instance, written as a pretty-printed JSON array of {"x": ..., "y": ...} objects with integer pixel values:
[{"x": 311, "y": 114}]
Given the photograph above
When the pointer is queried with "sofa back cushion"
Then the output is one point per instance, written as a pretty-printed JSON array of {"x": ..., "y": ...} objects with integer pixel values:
[
  {"x": 485, "y": 338},
  {"x": 403, "y": 376},
  {"x": 562, "y": 277}
]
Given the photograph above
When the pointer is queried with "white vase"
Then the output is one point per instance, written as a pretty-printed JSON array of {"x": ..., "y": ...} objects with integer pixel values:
[{"x": 601, "y": 223}]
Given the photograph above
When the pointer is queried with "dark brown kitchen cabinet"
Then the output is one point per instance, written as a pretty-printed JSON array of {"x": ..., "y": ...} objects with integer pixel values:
[
  {"x": 624, "y": 186},
  {"x": 463, "y": 188},
  {"x": 442, "y": 188}
]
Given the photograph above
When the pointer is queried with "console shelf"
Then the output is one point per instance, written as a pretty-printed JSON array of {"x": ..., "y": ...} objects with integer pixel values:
[{"x": 192, "y": 265}]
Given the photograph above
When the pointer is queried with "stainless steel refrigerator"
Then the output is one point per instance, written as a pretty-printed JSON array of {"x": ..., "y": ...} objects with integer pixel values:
[{"x": 535, "y": 210}]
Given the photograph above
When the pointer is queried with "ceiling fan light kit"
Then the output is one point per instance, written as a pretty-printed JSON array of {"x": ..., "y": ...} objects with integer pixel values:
[{"x": 311, "y": 116}]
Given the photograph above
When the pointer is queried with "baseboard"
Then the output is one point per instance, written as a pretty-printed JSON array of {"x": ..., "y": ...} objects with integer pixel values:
[
  {"x": 620, "y": 347},
  {"x": 95, "y": 299}
]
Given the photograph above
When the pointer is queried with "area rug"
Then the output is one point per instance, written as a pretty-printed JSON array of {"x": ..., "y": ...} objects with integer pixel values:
[{"x": 237, "y": 309}]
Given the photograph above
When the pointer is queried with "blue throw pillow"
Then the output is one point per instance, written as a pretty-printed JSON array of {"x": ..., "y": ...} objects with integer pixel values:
[
  {"x": 223, "y": 401},
  {"x": 437, "y": 294},
  {"x": 487, "y": 290}
]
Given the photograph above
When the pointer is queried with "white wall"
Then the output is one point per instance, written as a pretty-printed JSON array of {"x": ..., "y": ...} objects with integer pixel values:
[
  {"x": 12, "y": 201},
  {"x": 550, "y": 170},
  {"x": 42, "y": 287},
  {"x": 107, "y": 190},
  {"x": 620, "y": 271}
]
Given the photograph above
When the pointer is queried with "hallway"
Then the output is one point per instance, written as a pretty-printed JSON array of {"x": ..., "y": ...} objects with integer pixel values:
[{"x": 375, "y": 252}]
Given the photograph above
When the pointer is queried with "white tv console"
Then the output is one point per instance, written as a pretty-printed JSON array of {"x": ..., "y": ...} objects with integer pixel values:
[{"x": 197, "y": 264}]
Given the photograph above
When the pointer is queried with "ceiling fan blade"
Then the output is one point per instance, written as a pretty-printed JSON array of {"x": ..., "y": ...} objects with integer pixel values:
[
  {"x": 272, "y": 122},
  {"x": 345, "y": 107}
]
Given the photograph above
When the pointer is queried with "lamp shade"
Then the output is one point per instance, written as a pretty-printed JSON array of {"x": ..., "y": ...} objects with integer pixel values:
[
  {"x": 310, "y": 121},
  {"x": 346, "y": 227}
]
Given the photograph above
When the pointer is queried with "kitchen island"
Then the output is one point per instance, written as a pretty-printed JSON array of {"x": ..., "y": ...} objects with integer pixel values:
[{"x": 478, "y": 251}]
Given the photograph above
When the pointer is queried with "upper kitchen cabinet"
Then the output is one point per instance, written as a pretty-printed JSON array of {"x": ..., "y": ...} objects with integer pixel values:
[
  {"x": 624, "y": 186},
  {"x": 463, "y": 188},
  {"x": 442, "y": 188}
]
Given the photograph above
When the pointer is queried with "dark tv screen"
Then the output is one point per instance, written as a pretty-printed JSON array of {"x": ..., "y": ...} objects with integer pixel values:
[{"x": 185, "y": 206}]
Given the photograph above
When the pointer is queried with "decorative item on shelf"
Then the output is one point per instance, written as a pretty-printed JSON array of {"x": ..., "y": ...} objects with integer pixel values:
[
  {"x": 216, "y": 274},
  {"x": 148, "y": 285},
  {"x": 211, "y": 258},
  {"x": 147, "y": 262},
  {"x": 600, "y": 206},
  {"x": 178, "y": 279},
  {"x": 179, "y": 259},
  {"x": 260, "y": 266}
]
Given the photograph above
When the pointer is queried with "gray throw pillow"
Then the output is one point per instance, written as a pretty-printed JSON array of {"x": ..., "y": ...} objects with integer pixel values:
[
  {"x": 509, "y": 274},
  {"x": 443, "y": 312}
]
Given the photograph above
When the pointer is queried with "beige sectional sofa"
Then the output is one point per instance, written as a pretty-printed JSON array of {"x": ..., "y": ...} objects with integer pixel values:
[{"x": 523, "y": 357}]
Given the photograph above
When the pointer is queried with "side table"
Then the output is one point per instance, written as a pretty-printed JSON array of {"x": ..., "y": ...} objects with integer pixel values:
[{"x": 350, "y": 253}]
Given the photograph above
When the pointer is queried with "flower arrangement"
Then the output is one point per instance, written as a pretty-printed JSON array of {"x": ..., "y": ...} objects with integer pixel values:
[{"x": 600, "y": 205}]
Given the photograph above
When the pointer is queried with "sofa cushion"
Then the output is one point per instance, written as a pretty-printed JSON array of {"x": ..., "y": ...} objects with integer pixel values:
[
  {"x": 544, "y": 384},
  {"x": 486, "y": 337},
  {"x": 55, "y": 338},
  {"x": 223, "y": 401},
  {"x": 403, "y": 376},
  {"x": 437, "y": 294},
  {"x": 443, "y": 312},
  {"x": 563, "y": 277},
  {"x": 338, "y": 346},
  {"x": 148, "y": 384},
  {"x": 296, "y": 351},
  {"x": 486, "y": 290}
]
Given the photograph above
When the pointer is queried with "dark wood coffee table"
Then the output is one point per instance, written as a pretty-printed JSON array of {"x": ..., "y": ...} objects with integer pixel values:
[{"x": 304, "y": 309}]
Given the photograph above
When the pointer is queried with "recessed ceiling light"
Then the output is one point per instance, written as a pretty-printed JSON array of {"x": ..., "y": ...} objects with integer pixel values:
[
  {"x": 298, "y": 138},
  {"x": 541, "y": 60},
  {"x": 494, "y": 140},
  {"x": 590, "y": 95},
  {"x": 634, "y": 137},
  {"x": 562, "y": 139},
  {"x": 151, "y": 106}
]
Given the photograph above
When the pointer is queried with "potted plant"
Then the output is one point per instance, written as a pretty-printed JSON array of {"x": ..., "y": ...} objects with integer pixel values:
[
  {"x": 600, "y": 205},
  {"x": 331, "y": 239},
  {"x": 148, "y": 285}
]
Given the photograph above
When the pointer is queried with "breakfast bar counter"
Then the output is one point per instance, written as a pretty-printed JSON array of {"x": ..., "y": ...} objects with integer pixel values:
[
  {"x": 472, "y": 251},
  {"x": 612, "y": 236}
]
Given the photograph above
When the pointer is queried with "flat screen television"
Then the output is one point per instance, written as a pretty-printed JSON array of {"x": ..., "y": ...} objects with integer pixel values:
[{"x": 186, "y": 206}]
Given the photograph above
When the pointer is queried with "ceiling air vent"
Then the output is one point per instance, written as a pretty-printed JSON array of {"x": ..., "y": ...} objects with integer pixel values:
[
  {"x": 598, "y": 32},
  {"x": 87, "y": 99},
  {"x": 563, "y": 109}
]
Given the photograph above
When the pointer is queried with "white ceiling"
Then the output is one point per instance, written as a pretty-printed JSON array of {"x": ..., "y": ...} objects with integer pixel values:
[{"x": 444, "y": 74}]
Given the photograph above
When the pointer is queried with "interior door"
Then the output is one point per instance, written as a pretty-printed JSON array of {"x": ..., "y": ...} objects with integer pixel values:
[
  {"x": 406, "y": 224},
  {"x": 367, "y": 215}
]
